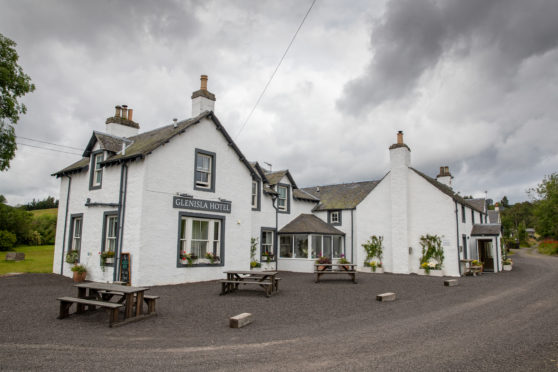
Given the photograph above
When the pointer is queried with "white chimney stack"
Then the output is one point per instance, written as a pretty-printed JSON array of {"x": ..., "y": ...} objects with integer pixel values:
[
  {"x": 445, "y": 176},
  {"x": 202, "y": 99}
]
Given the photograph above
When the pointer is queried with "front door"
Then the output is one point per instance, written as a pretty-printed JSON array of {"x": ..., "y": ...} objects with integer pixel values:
[{"x": 485, "y": 254}]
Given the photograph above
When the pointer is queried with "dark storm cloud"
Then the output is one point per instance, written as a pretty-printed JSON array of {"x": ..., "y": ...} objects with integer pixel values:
[{"x": 413, "y": 36}]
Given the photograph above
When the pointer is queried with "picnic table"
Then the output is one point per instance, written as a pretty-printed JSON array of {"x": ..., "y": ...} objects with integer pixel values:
[
  {"x": 93, "y": 295},
  {"x": 268, "y": 280},
  {"x": 321, "y": 269}
]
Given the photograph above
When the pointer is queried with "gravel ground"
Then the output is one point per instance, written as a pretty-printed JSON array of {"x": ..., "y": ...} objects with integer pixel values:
[{"x": 504, "y": 321}]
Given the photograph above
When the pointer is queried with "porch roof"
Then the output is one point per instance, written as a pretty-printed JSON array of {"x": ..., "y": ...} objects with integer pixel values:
[
  {"x": 309, "y": 224},
  {"x": 486, "y": 229}
]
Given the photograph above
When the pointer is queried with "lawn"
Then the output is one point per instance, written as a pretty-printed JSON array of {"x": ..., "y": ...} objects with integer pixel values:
[
  {"x": 41, "y": 212},
  {"x": 38, "y": 259}
]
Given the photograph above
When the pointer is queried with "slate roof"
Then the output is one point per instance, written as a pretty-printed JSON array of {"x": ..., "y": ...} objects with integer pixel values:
[
  {"x": 106, "y": 142},
  {"x": 448, "y": 191},
  {"x": 76, "y": 167},
  {"x": 303, "y": 195},
  {"x": 309, "y": 224},
  {"x": 480, "y": 203},
  {"x": 342, "y": 196},
  {"x": 486, "y": 229},
  {"x": 493, "y": 216},
  {"x": 275, "y": 177},
  {"x": 145, "y": 143}
]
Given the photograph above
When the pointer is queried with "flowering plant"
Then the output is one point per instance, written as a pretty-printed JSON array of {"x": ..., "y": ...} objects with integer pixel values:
[
  {"x": 427, "y": 266},
  {"x": 343, "y": 260},
  {"x": 323, "y": 260},
  {"x": 72, "y": 256},
  {"x": 210, "y": 256},
  {"x": 476, "y": 263},
  {"x": 507, "y": 261},
  {"x": 188, "y": 256}
]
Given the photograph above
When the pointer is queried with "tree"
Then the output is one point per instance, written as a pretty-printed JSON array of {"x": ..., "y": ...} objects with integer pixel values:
[
  {"x": 14, "y": 83},
  {"x": 504, "y": 202},
  {"x": 546, "y": 206}
]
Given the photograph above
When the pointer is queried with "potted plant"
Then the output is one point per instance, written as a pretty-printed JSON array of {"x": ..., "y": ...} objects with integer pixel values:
[
  {"x": 432, "y": 257},
  {"x": 72, "y": 256},
  {"x": 507, "y": 264},
  {"x": 342, "y": 262},
  {"x": 374, "y": 253},
  {"x": 255, "y": 265},
  {"x": 374, "y": 266},
  {"x": 80, "y": 272},
  {"x": 108, "y": 257},
  {"x": 211, "y": 257},
  {"x": 476, "y": 267},
  {"x": 188, "y": 257},
  {"x": 322, "y": 261}
]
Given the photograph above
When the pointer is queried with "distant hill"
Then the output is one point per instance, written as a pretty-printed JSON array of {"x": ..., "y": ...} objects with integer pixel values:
[{"x": 42, "y": 212}]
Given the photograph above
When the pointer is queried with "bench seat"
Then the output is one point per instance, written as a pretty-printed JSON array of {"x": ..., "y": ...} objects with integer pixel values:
[
  {"x": 66, "y": 303},
  {"x": 228, "y": 286}
]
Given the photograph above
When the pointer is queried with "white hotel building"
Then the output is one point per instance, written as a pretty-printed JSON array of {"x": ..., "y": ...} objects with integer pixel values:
[{"x": 186, "y": 188}]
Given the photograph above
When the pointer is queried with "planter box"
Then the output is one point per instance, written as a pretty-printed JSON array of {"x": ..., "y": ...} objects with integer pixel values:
[
  {"x": 109, "y": 260},
  {"x": 368, "y": 269},
  {"x": 432, "y": 272},
  {"x": 507, "y": 267}
]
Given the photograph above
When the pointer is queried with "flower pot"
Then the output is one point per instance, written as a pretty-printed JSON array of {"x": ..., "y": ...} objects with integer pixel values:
[
  {"x": 379, "y": 270},
  {"x": 507, "y": 267},
  {"x": 109, "y": 260},
  {"x": 79, "y": 277},
  {"x": 431, "y": 273},
  {"x": 322, "y": 268}
]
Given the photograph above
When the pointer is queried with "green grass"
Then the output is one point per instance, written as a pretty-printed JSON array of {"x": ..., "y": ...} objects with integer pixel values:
[
  {"x": 549, "y": 247},
  {"x": 41, "y": 212},
  {"x": 38, "y": 259}
]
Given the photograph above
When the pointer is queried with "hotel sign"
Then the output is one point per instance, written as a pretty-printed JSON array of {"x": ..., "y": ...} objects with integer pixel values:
[{"x": 201, "y": 205}]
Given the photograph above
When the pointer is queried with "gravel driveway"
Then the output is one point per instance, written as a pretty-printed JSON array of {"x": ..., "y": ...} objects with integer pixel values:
[{"x": 506, "y": 321}]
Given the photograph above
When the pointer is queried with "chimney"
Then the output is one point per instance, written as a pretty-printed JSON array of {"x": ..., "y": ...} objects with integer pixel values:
[
  {"x": 202, "y": 99},
  {"x": 496, "y": 207},
  {"x": 121, "y": 124},
  {"x": 400, "y": 259},
  {"x": 445, "y": 176}
]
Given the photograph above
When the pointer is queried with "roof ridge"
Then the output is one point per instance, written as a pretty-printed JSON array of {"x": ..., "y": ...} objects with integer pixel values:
[{"x": 340, "y": 184}]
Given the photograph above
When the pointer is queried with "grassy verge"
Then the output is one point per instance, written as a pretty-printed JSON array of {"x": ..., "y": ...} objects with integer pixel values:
[
  {"x": 42, "y": 212},
  {"x": 38, "y": 259},
  {"x": 549, "y": 247}
]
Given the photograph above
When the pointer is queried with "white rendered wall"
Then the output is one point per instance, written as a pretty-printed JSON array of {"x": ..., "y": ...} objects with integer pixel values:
[
  {"x": 170, "y": 169},
  {"x": 399, "y": 177},
  {"x": 431, "y": 212}
]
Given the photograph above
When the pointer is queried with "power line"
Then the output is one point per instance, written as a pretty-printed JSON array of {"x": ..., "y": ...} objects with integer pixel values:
[
  {"x": 46, "y": 148},
  {"x": 49, "y": 143},
  {"x": 276, "y": 68}
]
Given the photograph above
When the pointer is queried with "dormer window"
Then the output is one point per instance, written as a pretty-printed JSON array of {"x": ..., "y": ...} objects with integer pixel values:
[
  {"x": 204, "y": 177},
  {"x": 255, "y": 195},
  {"x": 96, "y": 177},
  {"x": 283, "y": 198}
]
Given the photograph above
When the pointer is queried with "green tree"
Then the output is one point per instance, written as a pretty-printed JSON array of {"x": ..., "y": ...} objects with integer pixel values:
[
  {"x": 545, "y": 197},
  {"x": 504, "y": 202},
  {"x": 14, "y": 83}
]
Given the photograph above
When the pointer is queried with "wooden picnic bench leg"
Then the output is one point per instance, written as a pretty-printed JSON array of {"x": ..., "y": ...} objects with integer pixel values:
[
  {"x": 64, "y": 309},
  {"x": 129, "y": 304},
  {"x": 317, "y": 278},
  {"x": 276, "y": 281},
  {"x": 353, "y": 275},
  {"x": 150, "y": 305},
  {"x": 223, "y": 289},
  {"x": 139, "y": 304},
  {"x": 113, "y": 316}
]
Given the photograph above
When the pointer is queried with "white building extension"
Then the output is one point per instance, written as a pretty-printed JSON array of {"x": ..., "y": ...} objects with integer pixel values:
[{"x": 181, "y": 204}]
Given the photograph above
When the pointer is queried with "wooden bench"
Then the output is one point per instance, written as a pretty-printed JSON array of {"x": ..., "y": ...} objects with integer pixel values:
[
  {"x": 150, "y": 300},
  {"x": 349, "y": 269},
  {"x": 66, "y": 303},
  {"x": 229, "y": 286}
]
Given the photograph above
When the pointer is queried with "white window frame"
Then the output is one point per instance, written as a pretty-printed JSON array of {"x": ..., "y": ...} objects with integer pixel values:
[
  {"x": 265, "y": 244},
  {"x": 334, "y": 217},
  {"x": 111, "y": 220},
  {"x": 208, "y": 172},
  {"x": 213, "y": 240},
  {"x": 76, "y": 232},
  {"x": 97, "y": 169},
  {"x": 285, "y": 200},
  {"x": 255, "y": 190}
]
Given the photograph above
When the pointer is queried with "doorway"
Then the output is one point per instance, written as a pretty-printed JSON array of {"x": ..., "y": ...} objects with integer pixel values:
[{"x": 484, "y": 247}]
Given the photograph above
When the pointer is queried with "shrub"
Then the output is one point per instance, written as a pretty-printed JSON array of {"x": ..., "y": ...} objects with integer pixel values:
[
  {"x": 373, "y": 248},
  {"x": 431, "y": 250},
  {"x": 7, "y": 240},
  {"x": 549, "y": 247}
]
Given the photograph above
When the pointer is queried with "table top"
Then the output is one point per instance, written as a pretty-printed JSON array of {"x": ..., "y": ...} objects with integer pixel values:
[
  {"x": 111, "y": 287},
  {"x": 254, "y": 273}
]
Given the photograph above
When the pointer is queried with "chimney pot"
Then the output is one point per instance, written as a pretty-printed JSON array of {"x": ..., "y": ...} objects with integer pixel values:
[
  {"x": 118, "y": 109},
  {"x": 124, "y": 111},
  {"x": 203, "y": 79},
  {"x": 400, "y": 137},
  {"x": 130, "y": 112},
  {"x": 442, "y": 170}
]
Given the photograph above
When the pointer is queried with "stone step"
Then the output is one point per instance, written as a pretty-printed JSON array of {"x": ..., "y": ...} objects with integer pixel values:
[
  {"x": 388, "y": 296},
  {"x": 240, "y": 320}
]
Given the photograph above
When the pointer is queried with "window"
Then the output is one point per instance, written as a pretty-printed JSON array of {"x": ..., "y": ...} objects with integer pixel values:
[
  {"x": 96, "y": 177},
  {"x": 472, "y": 216},
  {"x": 481, "y": 220},
  {"x": 255, "y": 195},
  {"x": 301, "y": 246},
  {"x": 322, "y": 245},
  {"x": 286, "y": 246},
  {"x": 200, "y": 239},
  {"x": 316, "y": 246},
  {"x": 75, "y": 233},
  {"x": 334, "y": 217},
  {"x": 463, "y": 214},
  {"x": 267, "y": 245},
  {"x": 283, "y": 198},
  {"x": 204, "y": 177},
  {"x": 110, "y": 230},
  {"x": 465, "y": 248}
]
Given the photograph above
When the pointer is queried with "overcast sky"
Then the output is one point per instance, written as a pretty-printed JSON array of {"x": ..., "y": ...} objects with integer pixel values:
[{"x": 472, "y": 83}]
